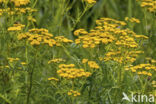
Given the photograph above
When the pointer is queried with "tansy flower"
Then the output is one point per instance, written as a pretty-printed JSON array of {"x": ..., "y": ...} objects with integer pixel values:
[
  {"x": 148, "y": 4},
  {"x": 73, "y": 93},
  {"x": 70, "y": 72},
  {"x": 52, "y": 78},
  {"x": 133, "y": 20},
  {"x": 30, "y": 18},
  {"x": 91, "y": 1},
  {"x": 57, "y": 60},
  {"x": 16, "y": 27},
  {"x": 13, "y": 59},
  {"x": 23, "y": 63},
  {"x": 93, "y": 64},
  {"x": 143, "y": 69},
  {"x": 20, "y": 2},
  {"x": 84, "y": 61},
  {"x": 42, "y": 36}
]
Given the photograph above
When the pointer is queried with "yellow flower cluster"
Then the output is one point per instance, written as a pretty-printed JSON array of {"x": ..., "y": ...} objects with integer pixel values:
[
  {"x": 73, "y": 93},
  {"x": 66, "y": 66},
  {"x": 84, "y": 61},
  {"x": 16, "y": 59},
  {"x": 110, "y": 22},
  {"x": 20, "y": 2},
  {"x": 144, "y": 73},
  {"x": 17, "y": 11},
  {"x": 52, "y": 78},
  {"x": 127, "y": 41},
  {"x": 30, "y": 18},
  {"x": 12, "y": 63},
  {"x": 140, "y": 36},
  {"x": 120, "y": 57},
  {"x": 133, "y": 20},
  {"x": 57, "y": 60},
  {"x": 124, "y": 42},
  {"x": 37, "y": 36},
  {"x": 107, "y": 31},
  {"x": 16, "y": 27},
  {"x": 6, "y": 66},
  {"x": 13, "y": 59},
  {"x": 90, "y": 1},
  {"x": 149, "y": 4},
  {"x": 3, "y": 1},
  {"x": 95, "y": 37},
  {"x": 23, "y": 63},
  {"x": 150, "y": 60},
  {"x": 142, "y": 69},
  {"x": 16, "y": 2},
  {"x": 92, "y": 64},
  {"x": 80, "y": 31},
  {"x": 70, "y": 72},
  {"x": 62, "y": 39}
]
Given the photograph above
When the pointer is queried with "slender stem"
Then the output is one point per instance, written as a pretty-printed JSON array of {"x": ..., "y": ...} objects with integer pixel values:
[
  {"x": 78, "y": 19},
  {"x": 26, "y": 52},
  {"x": 34, "y": 4},
  {"x": 145, "y": 17},
  {"x": 30, "y": 86},
  {"x": 129, "y": 8},
  {"x": 31, "y": 79}
]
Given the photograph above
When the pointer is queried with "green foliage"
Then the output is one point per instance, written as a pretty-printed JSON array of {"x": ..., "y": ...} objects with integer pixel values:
[{"x": 24, "y": 79}]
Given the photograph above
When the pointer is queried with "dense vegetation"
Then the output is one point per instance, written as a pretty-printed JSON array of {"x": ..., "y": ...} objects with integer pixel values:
[{"x": 77, "y": 51}]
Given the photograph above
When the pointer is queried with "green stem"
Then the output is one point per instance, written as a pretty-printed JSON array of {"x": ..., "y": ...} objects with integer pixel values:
[
  {"x": 34, "y": 4},
  {"x": 31, "y": 79},
  {"x": 145, "y": 22},
  {"x": 129, "y": 8},
  {"x": 78, "y": 19}
]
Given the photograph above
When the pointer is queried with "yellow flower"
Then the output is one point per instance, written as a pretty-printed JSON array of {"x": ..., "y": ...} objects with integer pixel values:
[
  {"x": 73, "y": 93},
  {"x": 52, "y": 78},
  {"x": 23, "y": 63},
  {"x": 20, "y": 2},
  {"x": 35, "y": 42},
  {"x": 84, "y": 61},
  {"x": 69, "y": 72},
  {"x": 92, "y": 45},
  {"x": 85, "y": 46},
  {"x": 91, "y": 1},
  {"x": 13, "y": 59},
  {"x": 149, "y": 5},
  {"x": 7, "y": 66},
  {"x": 56, "y": 60},
  {"x": 30, "y": 18},
  {"x": 80, "y": 31},
  {"x": 93, "y": 64},
  {"x": 42, "y": 36},
  {"x": 69, "y": 93},
  {"x": 149, "y": 74},
  {"x": 133, "y": 70}
]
